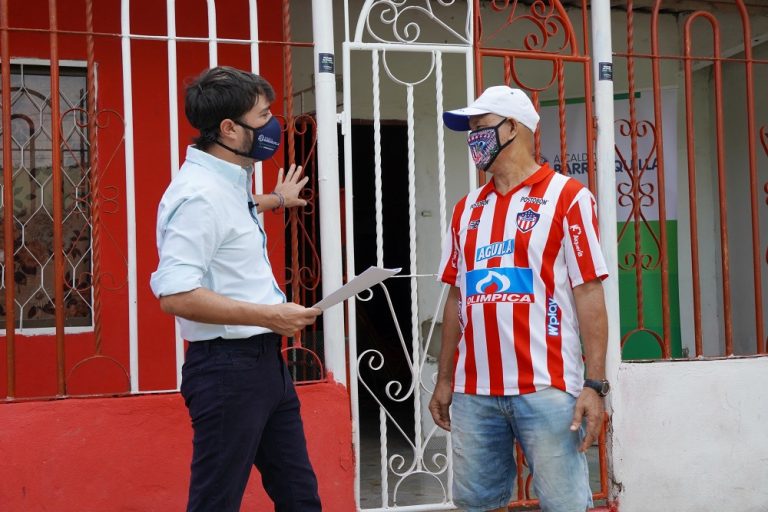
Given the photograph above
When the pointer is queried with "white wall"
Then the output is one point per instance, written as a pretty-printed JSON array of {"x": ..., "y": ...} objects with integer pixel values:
[{"x": 691, "y": 436}]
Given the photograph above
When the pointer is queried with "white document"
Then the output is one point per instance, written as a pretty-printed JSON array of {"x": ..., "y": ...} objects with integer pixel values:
[{"x": 372, "y": 276}]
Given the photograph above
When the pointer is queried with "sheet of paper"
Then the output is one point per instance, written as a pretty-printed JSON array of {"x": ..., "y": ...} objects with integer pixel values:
[{"x": 371, "y": 277}]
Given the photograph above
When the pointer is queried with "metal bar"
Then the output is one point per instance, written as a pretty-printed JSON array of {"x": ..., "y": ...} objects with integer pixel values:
[
  {"x": 378, "y": 186},
  {"x": 173, "y": 125},
  {"x": 588, "y": 99},
  {"x": 724, "y": 259},
  {"x": 149, "y": 37},
  {"x": 634, "y": 167},
  {"x": 10, "y": 285},
  {"x": 537, "y": 135},
  {"x": 253, "y": 17},
  {"x": 413, "y": 264},
  {"x": 417, "y": 48},
  {"x": 58, "y": 202},
  {"x": 691, "y": 58},
  {"x": 749, "y": 41},
  {"x": 658, "y": 120},
  {"x": 469, "y": 67},
  {"x": 213, "y": 56},
  {"x": 130, "y": 196},
  {"x": 384, "y": 472},
  {"x": 440, "y": 145},
  {"x": 94, "y": 176},
  {"x": 346, "y": 132},
  {"x": 500, "y": 52},
  {"x": 561, "y": 115},
  {"x": 293, "y": 220},
  {"x": 692, "y": 200}
]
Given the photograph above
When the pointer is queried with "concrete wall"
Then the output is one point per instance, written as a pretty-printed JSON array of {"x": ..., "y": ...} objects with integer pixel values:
[
  {"x": 133, "y": 454},
  {"x": 690, "y": 436}
]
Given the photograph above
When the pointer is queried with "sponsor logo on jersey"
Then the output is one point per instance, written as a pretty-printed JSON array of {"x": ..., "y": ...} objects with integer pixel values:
[
  {"x": 553, "y": 317},
  {"x": 526, "y": 220},
  {"x": 473, "y": 224},
  {"x": 495, "y": 249},
  {"x": 534, "y": 200},
  {"x": 479, "y": 204},
  {"x": 501, "y": 284},
  {"x": 576, "y": 239}
]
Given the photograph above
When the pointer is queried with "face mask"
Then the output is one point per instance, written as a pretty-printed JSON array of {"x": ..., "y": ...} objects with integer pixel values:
[
  {"x": 266, "y": 140},
  {"x": 485, "y": 145}
]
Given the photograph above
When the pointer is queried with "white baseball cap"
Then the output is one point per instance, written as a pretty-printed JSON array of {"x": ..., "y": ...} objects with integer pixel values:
[{"x": 500, "y": 100}]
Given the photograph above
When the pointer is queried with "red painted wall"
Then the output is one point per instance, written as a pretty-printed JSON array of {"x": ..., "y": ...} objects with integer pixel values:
[
  {"x": 133, "y": 454},
  {"x": 36, "y": 356}
]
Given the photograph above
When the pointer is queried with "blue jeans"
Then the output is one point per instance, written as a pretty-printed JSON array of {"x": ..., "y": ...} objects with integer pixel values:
[
  {"x": 245, "y": 413},
  {"x": 483, "y": 431}
]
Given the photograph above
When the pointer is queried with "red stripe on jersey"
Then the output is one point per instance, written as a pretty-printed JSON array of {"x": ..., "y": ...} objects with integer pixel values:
[
  {"x": 554, "y": 339},
  {"x": 492, "y": 338},
  {"x": 521, "y": 312},
  {"x": 578, "y": 238},
  {"x": 470, "y": 365},
  {"x": 451, "y": 270},
  {"x": 570, "y": 190},
  {"x": 471, "y": 242}
]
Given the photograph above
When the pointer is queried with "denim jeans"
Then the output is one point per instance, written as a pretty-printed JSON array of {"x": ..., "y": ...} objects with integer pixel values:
[
  {"x": 245, "y": 412},
  {"x": 483, "y": 431}
]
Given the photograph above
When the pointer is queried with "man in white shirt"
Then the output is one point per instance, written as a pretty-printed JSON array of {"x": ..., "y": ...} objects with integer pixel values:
[{"x": 214, "y": 275}]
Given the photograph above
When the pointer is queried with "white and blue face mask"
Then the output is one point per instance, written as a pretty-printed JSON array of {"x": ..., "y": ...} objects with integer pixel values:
[
  {"x": 485, "y": 145},
  {"x": 266, "y": 140}
]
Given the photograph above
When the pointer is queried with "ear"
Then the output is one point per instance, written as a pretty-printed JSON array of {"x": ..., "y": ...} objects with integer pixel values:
[
  {"x": 227, "y": 129},
  {"x": 513, "y": 127}
]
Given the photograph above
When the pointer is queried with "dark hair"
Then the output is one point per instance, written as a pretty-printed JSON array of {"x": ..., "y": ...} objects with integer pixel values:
[{"x": 221, "y": 93}]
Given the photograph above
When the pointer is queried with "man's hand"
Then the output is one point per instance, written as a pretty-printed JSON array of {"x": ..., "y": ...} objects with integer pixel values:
[
  {"x": 291, "y": 186},
  {"x": 589, "y": 405},
  {"x": 287, "y": 318},
  {"x": 439, "y": 404}
]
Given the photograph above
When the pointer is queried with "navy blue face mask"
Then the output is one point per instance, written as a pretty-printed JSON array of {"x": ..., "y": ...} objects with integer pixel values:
[{"x": 266, "y": 140}]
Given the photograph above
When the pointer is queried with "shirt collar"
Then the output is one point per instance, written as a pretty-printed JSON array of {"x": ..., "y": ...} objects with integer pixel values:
[
  {"x": 543, "y": 171},
  {"x": 227, "y": 170}
]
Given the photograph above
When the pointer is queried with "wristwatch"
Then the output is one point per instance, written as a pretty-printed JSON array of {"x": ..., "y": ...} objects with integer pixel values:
[{"x": 601, "y": 387}]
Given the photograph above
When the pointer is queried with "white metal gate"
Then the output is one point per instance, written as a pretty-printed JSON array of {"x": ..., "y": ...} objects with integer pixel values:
[{"x": 403, "y": 63}]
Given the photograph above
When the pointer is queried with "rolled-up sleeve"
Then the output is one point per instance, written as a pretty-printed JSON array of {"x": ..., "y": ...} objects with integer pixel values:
[{"x": 188, "y": 236}]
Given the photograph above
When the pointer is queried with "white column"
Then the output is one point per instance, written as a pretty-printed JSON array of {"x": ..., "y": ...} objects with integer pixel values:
[
  {"x": 173, "y": 130},
  {"x": 328, "y": 185},
  {"x": 130, "y": 196},
  {"x": 602, "y": 59}
]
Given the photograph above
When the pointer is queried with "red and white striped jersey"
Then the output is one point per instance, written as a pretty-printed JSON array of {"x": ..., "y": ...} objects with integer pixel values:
[{"x": 516, "y": 258}]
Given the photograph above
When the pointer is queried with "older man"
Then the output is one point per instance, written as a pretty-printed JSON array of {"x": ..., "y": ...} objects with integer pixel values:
[{"x": 524, "y": 263}]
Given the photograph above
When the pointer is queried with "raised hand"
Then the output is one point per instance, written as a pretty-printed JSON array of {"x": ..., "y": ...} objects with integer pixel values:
[{"x": 290, "y": 185}]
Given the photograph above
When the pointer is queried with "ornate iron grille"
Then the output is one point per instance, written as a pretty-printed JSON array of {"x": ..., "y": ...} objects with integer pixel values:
[{"x": 31, "y": 132}]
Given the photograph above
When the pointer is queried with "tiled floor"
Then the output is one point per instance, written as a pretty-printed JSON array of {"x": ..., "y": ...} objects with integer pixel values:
[{"x": 416, "y": 489}]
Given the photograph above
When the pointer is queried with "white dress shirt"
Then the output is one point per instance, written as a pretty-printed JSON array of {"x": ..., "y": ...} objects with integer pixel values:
[{"x": 207, "y": 236}]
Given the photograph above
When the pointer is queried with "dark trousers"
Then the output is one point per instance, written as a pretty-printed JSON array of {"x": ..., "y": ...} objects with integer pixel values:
[{"x": 245, "y": 413}]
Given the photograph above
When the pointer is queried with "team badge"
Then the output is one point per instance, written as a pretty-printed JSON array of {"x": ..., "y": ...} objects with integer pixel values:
[{"x": 526, "y": 220}]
